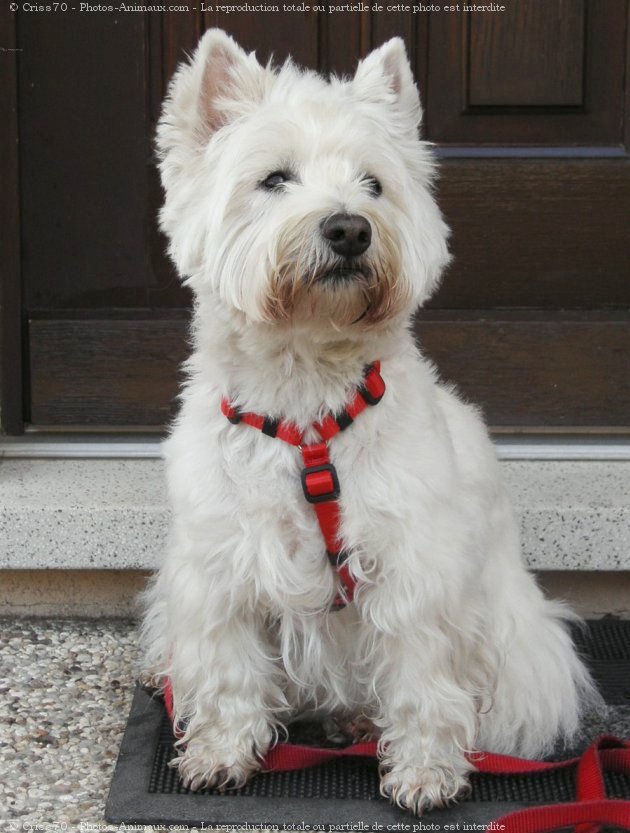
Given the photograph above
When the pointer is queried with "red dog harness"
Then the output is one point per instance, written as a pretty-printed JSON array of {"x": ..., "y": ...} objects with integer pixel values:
[{"x": 319, "y": 477}]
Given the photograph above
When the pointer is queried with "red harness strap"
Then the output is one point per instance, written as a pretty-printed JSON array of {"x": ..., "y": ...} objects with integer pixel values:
[{"x": 319, "y": 476}]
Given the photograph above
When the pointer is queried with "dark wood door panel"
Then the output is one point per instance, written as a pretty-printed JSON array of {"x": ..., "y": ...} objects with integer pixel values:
[
  {"x": 545, "y": 73},
  {"x": 83, "y": 157},
  {"x": 96, "y": 372},
  {"x": 524, "y": 370},
  {"x": 534, "y": 370},
  {"x": 11, "y": 306},
  {"x": 536, "y": 233},
  {"x": 533, "y": 57}
]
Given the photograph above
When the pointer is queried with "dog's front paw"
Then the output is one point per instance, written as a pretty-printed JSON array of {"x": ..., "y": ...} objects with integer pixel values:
[
  {"x": 419, "y": 789},
  {"x": 202, "y": 764}
]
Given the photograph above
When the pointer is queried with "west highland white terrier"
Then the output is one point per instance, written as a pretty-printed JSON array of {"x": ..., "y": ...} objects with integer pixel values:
[{"x": 300, "y": 211}]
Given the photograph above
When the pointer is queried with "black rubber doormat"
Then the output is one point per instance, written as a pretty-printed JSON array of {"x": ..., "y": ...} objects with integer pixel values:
[{"x": 342, "y": 795}]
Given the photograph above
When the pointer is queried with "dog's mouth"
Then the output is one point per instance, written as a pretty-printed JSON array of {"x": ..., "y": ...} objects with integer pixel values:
[{"x": 339, "y": 275}]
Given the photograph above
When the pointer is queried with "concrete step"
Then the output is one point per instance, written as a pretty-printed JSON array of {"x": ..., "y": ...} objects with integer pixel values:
[{"x": 104, "y": 514}]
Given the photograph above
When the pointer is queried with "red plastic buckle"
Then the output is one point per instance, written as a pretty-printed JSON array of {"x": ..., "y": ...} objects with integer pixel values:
[{"x": 320, "y": 483}]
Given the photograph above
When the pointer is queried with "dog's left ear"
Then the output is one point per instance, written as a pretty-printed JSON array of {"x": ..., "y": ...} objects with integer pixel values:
[{"x": 385, "y": 77}]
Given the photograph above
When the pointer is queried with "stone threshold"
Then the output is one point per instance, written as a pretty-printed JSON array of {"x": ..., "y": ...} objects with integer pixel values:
[{"x": 113, "y": 514}]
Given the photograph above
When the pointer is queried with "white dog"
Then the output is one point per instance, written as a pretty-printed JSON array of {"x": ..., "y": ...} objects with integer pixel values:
[{"x": 300, "y": 212}]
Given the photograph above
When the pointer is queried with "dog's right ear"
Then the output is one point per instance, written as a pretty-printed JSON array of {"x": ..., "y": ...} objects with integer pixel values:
[{"x": 218, "y": 83}]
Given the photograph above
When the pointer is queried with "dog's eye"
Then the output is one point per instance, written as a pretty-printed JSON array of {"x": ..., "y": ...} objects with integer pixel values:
[
  {"x": 275, "y": 180},
  {"x": 373, "y": 184}
]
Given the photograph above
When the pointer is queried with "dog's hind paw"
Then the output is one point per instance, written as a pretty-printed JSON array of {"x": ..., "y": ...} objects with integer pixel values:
[{"x": 419, "y": 789}]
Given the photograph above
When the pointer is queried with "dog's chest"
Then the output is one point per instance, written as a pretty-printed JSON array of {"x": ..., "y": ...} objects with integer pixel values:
[{"x": 273, "y": 507}]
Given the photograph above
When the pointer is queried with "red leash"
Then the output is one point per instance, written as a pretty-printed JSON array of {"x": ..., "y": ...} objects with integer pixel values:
[
  {"x": 587, "y": 814},
  {"x": 591, "y": 809}
]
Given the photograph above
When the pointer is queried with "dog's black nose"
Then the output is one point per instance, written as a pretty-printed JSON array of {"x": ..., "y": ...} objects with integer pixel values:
[{"x": 348, "y": 234}]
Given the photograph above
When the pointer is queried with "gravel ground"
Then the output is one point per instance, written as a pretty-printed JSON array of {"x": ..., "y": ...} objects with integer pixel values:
[{"x": 65, "y": 691}]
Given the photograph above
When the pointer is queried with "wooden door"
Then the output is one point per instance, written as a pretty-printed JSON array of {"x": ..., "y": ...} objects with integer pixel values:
[{"x": 528, "y": 109}]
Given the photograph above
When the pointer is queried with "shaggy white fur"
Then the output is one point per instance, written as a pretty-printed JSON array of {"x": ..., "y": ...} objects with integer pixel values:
[{"x": 449, "y": 646}]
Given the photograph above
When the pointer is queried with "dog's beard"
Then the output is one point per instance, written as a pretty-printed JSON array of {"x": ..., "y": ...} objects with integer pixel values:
[
  {"x": 315, "y": 285},
  {"x": 341, "y": 294}
]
